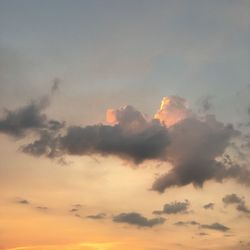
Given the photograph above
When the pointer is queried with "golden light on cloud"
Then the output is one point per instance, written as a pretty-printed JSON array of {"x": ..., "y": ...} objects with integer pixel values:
[
  {"x": 173, "y": 109},
  {"x": 111, "y": 116}
]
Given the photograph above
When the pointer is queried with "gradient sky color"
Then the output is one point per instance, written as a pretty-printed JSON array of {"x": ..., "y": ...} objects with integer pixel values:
[{"x": 87, "y": 57}]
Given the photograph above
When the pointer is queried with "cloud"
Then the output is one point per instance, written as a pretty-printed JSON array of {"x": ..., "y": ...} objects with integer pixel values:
[
  {"x": 196, "y": 144},
  {"x": 23, "y": 201},
  {"x": 215, "y": 226},
  {"x": 202, "y": 234},
  {"x": 138, "y": 220},
  {"x": 97, "y": 216},
  {"x": 235, "y": 199},
  {"x": 137, "y": 146},
  {"x": 232, "y": 199},
  {"x": 133, "y": 138},
  {"x": 205, "y": 104},
  {"x": 42, "y": 208},
  {"x": 186, "y": 223},
  {"x": 55, "y": 86},
  {"x": 74, "y": 210},
  {"x": 174, "y": 208},
  {"x": 173, "y": 109},
  {"x": 128, "y": 118},
  {"x": 47, "y": 145},
  {"x": 29, "y": 118},
  {"x": 77, "y": 205},
  {"x": 209, "y": 206}
]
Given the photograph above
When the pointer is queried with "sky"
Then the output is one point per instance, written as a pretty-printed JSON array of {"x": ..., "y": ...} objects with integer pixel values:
[{"x": 124, "y": 125}]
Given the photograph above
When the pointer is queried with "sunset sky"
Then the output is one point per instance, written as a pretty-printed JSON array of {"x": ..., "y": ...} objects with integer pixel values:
[{"x": 124, "y": 125}]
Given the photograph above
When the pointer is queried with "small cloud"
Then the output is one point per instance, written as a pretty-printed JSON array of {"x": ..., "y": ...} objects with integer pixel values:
[
  {"x": 174, "y": 208},
  {"x": 138, "y": 220},
  {"x": 43, "y": 208},
  {"x": 97, "y": 216},
  {"x": 73, "y": 210},
  {"x": 77, "y": 206},
  {"x": 23, "y": 201},
  {"x": 243, "y": 208},
  {"x": 236, "y": 200},
  {"x": 202, "y": 234},
  {"x": 209, "y": 206},
  {"x": 215, "y": 226},
  {"x": 205, "y": 104},
  {"x": 56, "y": 85},
  {"x": 186, "y": 223},
  {"x": 232, "y": 199}
]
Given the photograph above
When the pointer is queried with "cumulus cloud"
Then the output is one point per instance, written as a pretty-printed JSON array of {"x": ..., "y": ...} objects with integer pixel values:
[
  {"x": 173, "y": 109},
  {"x": 128, "y": 118},
  {"x": 209, "y": 206},
  {"x": 236, "y": 200},
  {"x": 174, "y": 208},
  {"x": 150, "y": 143},
  {"x": 96, "y": 216},
  {"x": 193, "y": 145},
  {"x": 215, "y": 226},
  {"x": 138, "y": 220}
]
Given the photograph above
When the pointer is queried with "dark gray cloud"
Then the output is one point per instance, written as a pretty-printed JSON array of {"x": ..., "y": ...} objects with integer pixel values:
[
  {"x": 187, "y": 223},
  {"x": 232, "y": 199},
  {"x": 46, "y": 145},
  {"x": 96, "y": 216},
  {"x": 28, "y": 118},
  {"x": 215, "y": 226},
  {"x": 17, "y": 122},
  {"x": 194, "y": 146},
  {"x": 209, "y": 206},
  {"x": 243, "y": 208},
  {"x": 133, "y": 139},
  {"x": 150, "y": 143},
  {"x": 236, "y": 200},
  {"x": 194, "y": 150},
  {"x": 138, "y": 220},
  {"x": 174, "y": 208}
]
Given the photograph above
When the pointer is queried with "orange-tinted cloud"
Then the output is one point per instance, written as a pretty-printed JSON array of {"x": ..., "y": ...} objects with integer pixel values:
[{"x": 173, "y": 109}]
